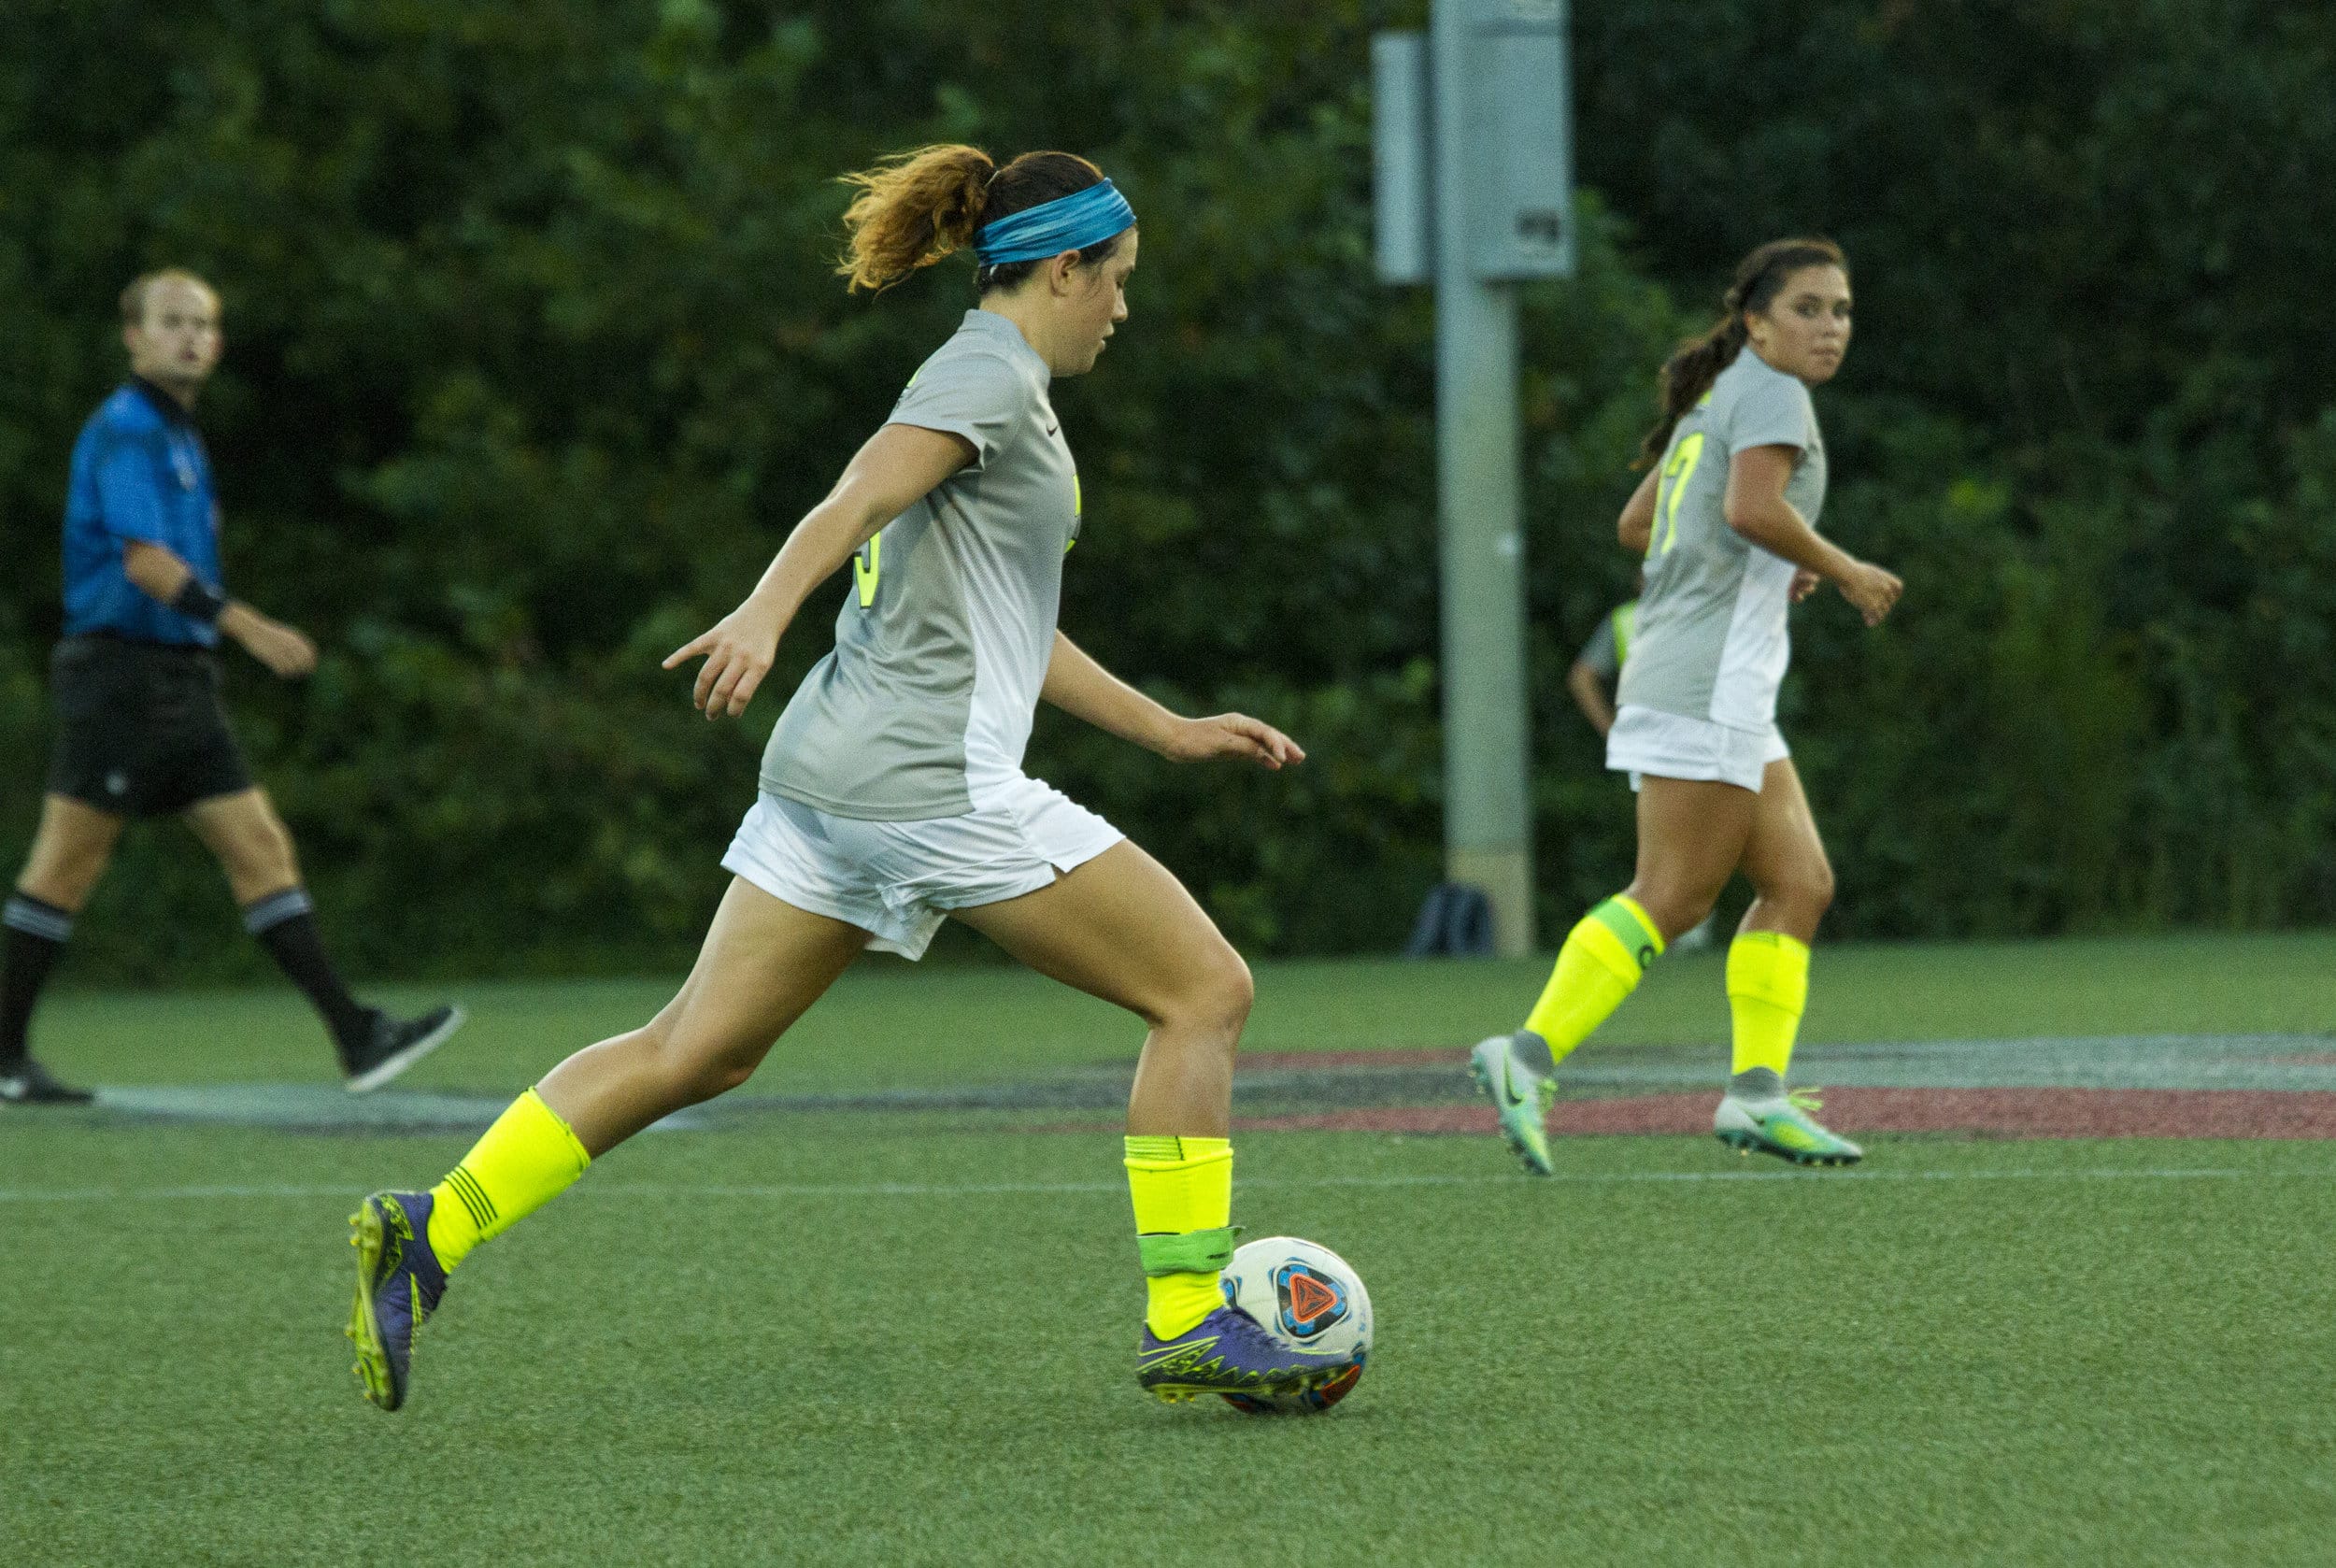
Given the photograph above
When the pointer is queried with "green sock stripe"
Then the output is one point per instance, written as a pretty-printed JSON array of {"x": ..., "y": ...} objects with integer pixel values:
[
  {"x": 1192, "y": 1252},
  {"x": 1637, "y": 911},
  {"x": 1155, "y": 1148},
  {"x": 1639, "y": 939},
  {"x": 474, "y": 1200}
]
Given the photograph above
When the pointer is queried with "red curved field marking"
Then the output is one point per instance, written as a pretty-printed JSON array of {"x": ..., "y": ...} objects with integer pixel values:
[
  {"x": 1305, "y": 1061},
  {"x": 2007, "y": 1112}
]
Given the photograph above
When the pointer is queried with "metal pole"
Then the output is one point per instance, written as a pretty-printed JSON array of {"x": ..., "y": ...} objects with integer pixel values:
[{"x": 1487, "y": 822}]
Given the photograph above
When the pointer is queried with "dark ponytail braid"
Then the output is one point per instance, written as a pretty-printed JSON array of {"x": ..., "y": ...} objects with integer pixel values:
[{"x": 1692, "y": 369}]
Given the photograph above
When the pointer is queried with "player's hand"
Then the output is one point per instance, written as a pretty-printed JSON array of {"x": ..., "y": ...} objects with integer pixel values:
[
  {"x": 1871, "y": 590},
  {"x": 738, "y": 653},
  {"x": 1231, "y": 735},
  {"x": 1804, "y": 582},
  {"x": 285, "y": 652}
]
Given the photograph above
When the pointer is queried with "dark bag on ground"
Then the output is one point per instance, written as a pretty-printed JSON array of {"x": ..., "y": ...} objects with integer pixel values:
[{"x": 1456, "y": 921}]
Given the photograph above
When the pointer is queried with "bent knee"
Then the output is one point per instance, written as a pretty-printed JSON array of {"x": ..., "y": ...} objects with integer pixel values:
[
  {"x": 1216, "y": 998},
  {"x": 696, "y": 1067},
  {"x": 1235, "y": 990},
  {"x": 1673, "y": 909},
  {"x": 719, "y": 1078},
  {"x": 259, "y": 854},
  {"x": 1808, "y": 889},
  {"x": 64, "y": 882}
]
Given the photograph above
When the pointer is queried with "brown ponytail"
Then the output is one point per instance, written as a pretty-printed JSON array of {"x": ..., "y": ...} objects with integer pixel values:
[
  {"x": 918, "y": 206},
  {"x": 913, "y": 209},
  {"x": 1692, "y": 369}
]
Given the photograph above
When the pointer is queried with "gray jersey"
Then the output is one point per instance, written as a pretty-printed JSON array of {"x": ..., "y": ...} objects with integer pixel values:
[
  {"x": 1712, "y": 641},
  {"x": 948, "y": 624}
]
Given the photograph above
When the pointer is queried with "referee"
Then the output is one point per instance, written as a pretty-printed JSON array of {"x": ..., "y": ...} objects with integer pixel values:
[{"x": 139, "y": 728}]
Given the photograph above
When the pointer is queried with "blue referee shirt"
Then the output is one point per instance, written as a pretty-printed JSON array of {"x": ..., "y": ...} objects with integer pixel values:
[{"x": 139, "y": 474}]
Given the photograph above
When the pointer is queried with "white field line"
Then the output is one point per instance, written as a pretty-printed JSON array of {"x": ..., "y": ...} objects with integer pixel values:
[{"x": 1043, "y": 1189}]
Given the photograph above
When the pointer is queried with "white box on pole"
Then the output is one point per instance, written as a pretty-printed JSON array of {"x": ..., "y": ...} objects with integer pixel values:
[
  {"x": 1403, "y": 162},
  {"x": 1519, "y": 132}
]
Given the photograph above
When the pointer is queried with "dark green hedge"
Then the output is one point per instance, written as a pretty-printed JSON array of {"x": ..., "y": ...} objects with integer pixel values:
[{"x": 535, "y": 357}]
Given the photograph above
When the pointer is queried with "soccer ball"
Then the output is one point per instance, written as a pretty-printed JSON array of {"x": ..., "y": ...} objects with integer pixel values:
[{"x": 1308, "y": 1297}]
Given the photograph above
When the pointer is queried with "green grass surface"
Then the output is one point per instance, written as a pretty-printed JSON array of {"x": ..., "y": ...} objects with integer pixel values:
[{"x": 821, "y": 1339}]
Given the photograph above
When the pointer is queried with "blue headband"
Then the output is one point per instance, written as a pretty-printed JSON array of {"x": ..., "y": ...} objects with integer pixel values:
[{"x": 1071, "y": 222}]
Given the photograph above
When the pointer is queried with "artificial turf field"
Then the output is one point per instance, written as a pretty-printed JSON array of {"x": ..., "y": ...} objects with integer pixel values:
[{"x": 861, "y": 1336}]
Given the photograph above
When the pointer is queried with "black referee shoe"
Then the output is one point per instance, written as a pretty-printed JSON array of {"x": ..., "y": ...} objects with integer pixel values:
[
  {"x": 392, "y": 1045},
  {"x": 28, "y": 1083}
]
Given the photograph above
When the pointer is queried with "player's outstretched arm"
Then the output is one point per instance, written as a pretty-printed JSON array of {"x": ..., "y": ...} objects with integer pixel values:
[
  {"x": 162, "y": 575},
  {"x": 897, "y": 467},
  {"x": 1085, "y": 689}
]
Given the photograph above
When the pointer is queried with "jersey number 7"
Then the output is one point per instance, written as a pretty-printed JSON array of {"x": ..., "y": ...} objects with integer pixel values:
[{"x": 1669, "y": 491}]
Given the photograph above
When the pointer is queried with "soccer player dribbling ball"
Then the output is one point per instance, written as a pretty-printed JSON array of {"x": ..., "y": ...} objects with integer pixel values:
[
  {"x": 1727, "y": 518},
  {"x": 893, "y": 791}
]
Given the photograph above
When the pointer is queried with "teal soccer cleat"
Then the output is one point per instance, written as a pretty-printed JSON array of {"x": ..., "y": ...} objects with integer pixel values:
[
  {"x": 1517, "y": 1074},
  {"x": 1786, "y": 1127}
]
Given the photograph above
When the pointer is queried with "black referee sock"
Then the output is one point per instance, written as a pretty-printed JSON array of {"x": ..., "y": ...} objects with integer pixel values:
[
  {"x": 36, "y": 935},
  {"x": 286, "y": 924}
]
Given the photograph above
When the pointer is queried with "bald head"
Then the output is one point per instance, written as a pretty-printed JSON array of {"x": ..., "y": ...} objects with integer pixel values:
[{"x": 170, "y": 325}]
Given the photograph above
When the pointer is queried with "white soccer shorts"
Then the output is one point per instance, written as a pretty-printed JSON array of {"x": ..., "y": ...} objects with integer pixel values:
[
  {"x": 899, "y": 880},
  {"x": 1645, "y": 741}
]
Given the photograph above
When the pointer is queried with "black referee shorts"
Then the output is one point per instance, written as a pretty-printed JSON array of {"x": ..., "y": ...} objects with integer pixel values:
[{"x": 140, "y": 729}]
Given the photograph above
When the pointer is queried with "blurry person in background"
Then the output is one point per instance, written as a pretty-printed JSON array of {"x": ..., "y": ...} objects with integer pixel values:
[
  {"x": 1599, "y": 665},
  {"x": 1726, "y": 521},
  {"x": 140, "y": 729}
]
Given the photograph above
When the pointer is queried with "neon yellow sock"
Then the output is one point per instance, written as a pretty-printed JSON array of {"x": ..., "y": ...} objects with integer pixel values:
[
  {"x": 1183, "y": 1193},
  {"x": 525, "y": 1160},
  {"x": 1768, "y": 990},
  {"x": 1600, "y": 964}
]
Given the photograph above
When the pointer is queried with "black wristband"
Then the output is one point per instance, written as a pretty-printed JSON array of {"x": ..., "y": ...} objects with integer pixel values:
[{"x": 199, "y": 601}]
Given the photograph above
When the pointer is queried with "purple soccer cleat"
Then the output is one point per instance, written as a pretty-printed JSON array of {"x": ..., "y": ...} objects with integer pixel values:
[
  {"x": 398, "y": 1286},
  {"x": 1227, "y": 1352}
]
